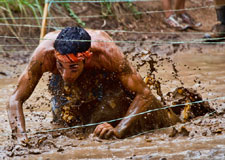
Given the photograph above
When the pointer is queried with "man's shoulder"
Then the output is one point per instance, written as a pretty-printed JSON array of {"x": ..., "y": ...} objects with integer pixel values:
[
  {"x": 47, "y": 44},
  {"x": 49, "y": 38},
  {"x": 52, "y": 35},
  {"x": 44, "y": 53},
  {"x": 97, "y": 35}
]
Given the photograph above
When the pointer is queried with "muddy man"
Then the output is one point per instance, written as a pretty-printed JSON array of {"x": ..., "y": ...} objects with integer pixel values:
[{"x": 89, "y": 61}]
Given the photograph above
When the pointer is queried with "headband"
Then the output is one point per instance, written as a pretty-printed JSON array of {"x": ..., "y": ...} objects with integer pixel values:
[{"x": 70, "y": 58}]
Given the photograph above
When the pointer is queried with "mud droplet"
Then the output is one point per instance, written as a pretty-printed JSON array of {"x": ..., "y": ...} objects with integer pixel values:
[
  {"x": 148, "y": 140},
  {"x": 173, "y": 132},
  {"x": 183, "y": 131}
]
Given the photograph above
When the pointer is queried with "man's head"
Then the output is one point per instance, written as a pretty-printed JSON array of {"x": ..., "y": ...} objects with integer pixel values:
[{"x": 71, "y": 49}]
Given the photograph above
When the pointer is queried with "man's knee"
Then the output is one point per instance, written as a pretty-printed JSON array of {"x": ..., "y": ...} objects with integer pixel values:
[
  {"x": 220, "y": 10},
  {"x": 219, "y": 3}
]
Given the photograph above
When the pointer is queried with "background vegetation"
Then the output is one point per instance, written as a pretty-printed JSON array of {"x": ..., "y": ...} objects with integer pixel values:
[{"x": 22, "y": 18}]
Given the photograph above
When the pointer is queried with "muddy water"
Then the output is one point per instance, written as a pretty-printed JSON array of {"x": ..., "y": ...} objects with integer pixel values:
[
  {"x": 199, "y": 68},
  {"x": 201, "y": 71}
]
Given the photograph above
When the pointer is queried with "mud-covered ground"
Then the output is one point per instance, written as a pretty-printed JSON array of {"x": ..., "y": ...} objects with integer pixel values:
[
  {"x": 200, "y": 67},
  {"x": 195, "y": 65}
]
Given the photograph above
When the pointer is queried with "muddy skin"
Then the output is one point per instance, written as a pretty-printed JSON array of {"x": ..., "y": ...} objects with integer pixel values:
[
  {"x": 101, "y": 102},
  {"x": 105, "y": 57},
  {"x": 96, "y": 97}
]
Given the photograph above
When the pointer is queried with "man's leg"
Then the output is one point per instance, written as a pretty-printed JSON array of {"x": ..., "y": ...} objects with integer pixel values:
[
  {"x": 179, "y": 5},
  {"x": 218, "y": 30},
  {"x": 171, "y": 19},
  {"x": 186, "y": 18},
  {"x": 220, "y": 11},
  {"x": 167, "y": 8}
]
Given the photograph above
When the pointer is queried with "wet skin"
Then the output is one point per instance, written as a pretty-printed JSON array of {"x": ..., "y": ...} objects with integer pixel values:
[{"x": 106, "y": 55}]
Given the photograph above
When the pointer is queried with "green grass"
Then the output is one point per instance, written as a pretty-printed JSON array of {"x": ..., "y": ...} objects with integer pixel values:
[
  {"x": 133, "y": 9},
  {"x": 23, "y": 8},
  {"x": 106, "y": 8},
  {"x": 10, "y": 9},
  {"x": 73, "y": 15},
  {"x": 34, "y": 8}
]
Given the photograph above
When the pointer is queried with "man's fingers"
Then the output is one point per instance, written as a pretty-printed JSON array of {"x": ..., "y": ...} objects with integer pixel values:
[
  {"x": 98, "y": 130},
  {"x": 100, "y": 127},
  {"x": 23, "y": 141},
  {"x": 103, "y": 132},
  {"x": 109, "y": 134},
  {"x": 22, "y": 138},
  {"x": 106, "y": 125}
]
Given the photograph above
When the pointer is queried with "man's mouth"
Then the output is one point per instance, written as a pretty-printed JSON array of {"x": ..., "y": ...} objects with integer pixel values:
[{"x": 69, "y": 80}]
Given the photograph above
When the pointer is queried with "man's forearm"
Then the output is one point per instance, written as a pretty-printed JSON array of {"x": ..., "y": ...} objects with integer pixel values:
[
  {"x": 139, "y": 104},
  {"x": 16, "y": 117}
]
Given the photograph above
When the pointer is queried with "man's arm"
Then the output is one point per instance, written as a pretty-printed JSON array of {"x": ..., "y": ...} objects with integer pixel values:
[
  {"x": 133, "y": 82},
  {"x": 112, "y": 59},
  {"x": 27, "y": 82}
]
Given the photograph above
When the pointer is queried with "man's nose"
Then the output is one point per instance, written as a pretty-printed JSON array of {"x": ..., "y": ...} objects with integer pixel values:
[{"x": 66, "y": 75}]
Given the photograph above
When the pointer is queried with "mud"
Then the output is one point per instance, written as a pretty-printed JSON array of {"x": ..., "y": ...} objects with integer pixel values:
[
  {"x": 198, "y": 138},
  {"x": 199, "y": 67}
]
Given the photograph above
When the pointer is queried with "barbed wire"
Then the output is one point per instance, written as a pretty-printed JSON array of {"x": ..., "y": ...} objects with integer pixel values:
[
  {"x": 98, "y": 1},
  {"x": 153, "y": 42},
  {"x": 207, "y": 115},
  {"x": 26, "y": 25},
  {"x": 35, "y": 38},
  {"x": 17, "y": 45},
  {"x": 117, "y": 119},
  {"x": 98, "y": 16},
  {"x": 146, "y": 32},
  {"x": 152, "y": 130},
  {"x": 13, "y": 51}
]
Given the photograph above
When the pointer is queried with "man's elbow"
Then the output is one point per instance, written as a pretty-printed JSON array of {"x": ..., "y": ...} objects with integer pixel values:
[
  {"x": 13, "y": 103},
  {"x": 146, "y": 93}
]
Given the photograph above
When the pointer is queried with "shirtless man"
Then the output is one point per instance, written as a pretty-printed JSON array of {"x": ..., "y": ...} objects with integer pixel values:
[{"x": 68, "y": 53}]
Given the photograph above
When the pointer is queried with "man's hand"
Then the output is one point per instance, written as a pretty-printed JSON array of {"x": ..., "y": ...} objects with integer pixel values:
[
  {"x": 105, "y": 131},
  {"x": 22, "y": 138}
]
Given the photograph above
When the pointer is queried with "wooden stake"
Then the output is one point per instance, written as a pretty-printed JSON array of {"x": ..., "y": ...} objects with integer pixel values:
[{"x": 44, "y": 22}]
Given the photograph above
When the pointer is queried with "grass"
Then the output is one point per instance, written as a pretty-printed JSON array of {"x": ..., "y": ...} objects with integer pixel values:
[
  {"x": 73, "y": 15},
  {"x": 106, "y": 8},
  {"x": 10, "y": 9},
  {"x": 34, "y": 8},
  {"x": 23, "y": 8},
  {"x": 133, "y": 9}
]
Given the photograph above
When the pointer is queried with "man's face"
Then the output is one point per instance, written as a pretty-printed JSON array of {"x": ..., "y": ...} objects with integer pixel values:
[{"x": 70, "y": 71}]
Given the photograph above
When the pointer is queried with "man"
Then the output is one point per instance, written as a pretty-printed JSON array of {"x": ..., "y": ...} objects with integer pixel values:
[
  {"x": 71, "y": 52},
  {"x": 218, "y": 30}
]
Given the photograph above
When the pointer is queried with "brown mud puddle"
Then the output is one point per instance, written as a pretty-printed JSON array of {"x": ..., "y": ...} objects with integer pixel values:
[{"x": 199, "y": 68}]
